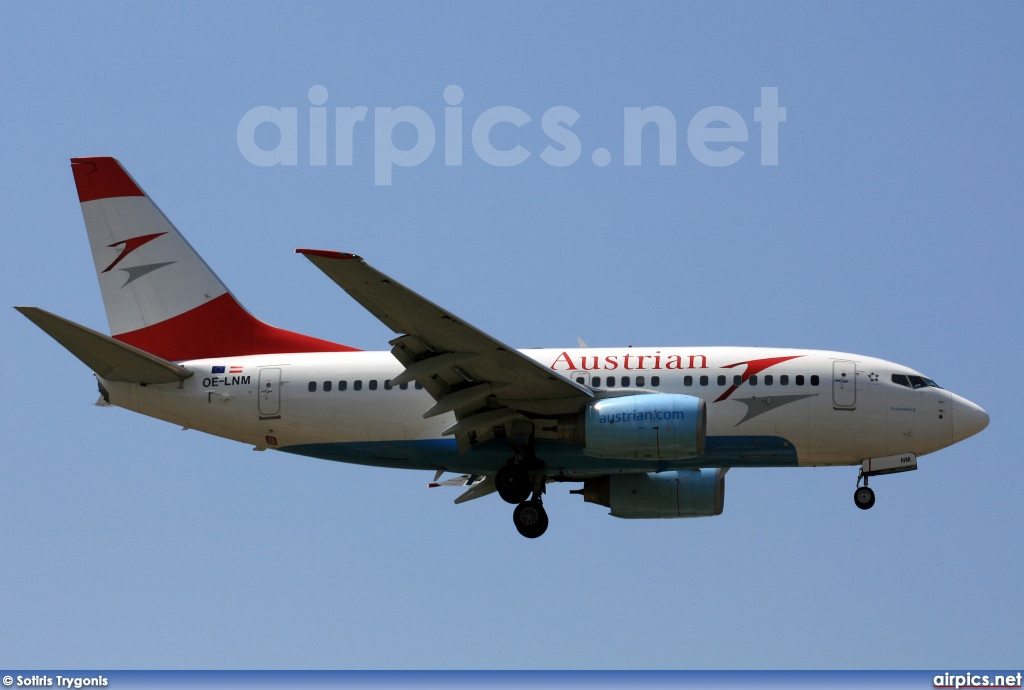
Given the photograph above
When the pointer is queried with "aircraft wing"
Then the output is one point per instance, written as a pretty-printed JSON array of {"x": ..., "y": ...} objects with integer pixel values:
[{"x": 482, "y": 380}]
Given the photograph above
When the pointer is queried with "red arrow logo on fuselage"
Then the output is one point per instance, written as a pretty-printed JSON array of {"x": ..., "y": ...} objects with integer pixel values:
[
  {"x": 754, "y": 366},
  {"x": 130, "y": 245}
]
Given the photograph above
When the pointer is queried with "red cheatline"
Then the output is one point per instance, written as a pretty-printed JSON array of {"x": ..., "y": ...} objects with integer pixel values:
[{"x": 754, "y": 366}]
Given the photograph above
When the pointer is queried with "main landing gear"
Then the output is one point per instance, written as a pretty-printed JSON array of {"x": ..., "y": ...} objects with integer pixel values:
[
  {"x": 864, "y": 497},
  {"x": 530, "y": 518},
  {"x": 515, "y": 485},
  {"x": 513, "y": 482}
]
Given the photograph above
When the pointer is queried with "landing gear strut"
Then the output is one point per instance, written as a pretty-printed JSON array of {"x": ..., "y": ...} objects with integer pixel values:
[
  {"x": 515, "y": 485},
  {"x": 530, "y": 518},
  {"x": 864, "y": 497},
  {"x": 513, "y": 479}
]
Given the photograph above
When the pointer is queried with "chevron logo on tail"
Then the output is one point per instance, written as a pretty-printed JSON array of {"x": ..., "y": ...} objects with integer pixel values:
[{"x": 130, "y": 245}]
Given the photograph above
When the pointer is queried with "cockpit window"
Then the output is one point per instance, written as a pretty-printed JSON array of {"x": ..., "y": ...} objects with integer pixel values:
[{"x": 911, "y": 381}]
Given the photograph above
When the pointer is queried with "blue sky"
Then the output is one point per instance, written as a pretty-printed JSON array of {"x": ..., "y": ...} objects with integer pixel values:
[{"x": 890, "y": 227}]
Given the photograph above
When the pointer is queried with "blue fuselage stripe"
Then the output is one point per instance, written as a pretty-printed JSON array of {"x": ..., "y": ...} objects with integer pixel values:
[{"x": 719, "y": 451}]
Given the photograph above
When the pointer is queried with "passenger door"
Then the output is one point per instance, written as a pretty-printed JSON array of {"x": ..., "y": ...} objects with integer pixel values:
[
  {"x": 270, "y": 393},
  {"x": 844, "y": 384}
]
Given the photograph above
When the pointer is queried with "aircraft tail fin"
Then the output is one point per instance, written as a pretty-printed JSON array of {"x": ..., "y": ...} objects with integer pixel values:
[{"x": 159, "y": 294}]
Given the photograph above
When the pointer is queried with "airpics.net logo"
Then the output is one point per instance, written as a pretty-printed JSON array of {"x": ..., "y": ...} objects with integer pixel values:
[{"x": 269, "y": 136}]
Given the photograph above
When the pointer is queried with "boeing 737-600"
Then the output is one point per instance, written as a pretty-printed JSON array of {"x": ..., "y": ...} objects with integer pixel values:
[{"x": 650, "y": 432}]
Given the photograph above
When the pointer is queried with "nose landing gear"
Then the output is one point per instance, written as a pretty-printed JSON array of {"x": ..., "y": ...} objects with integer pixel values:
[
  {"x": 864, "y": 497},
  {"x": 891, "y": 464}
]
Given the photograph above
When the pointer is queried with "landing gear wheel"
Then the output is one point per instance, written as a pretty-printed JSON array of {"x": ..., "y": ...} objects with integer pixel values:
[
  {"x": 864, "y": 498},
  {"x": 531, "y": 519},
  {"x": 513, "y": 484}
]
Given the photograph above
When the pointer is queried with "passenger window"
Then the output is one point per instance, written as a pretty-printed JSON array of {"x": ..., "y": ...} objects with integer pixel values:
[
  {"x": 737, "y": 380},
  {"x": 342, "y": 385},
  {"x": 640, "y": 381},
  {"x": 312, "y": 387},
  {"x": 387, "y": 384},
  {"x": 625, "y": 382},
  {"x": 655, "y": 381},
  {"x": 752, "y": 380},
  {"x": 768, "y": 379},
  {"x": 814, "y": 380},
  {"x": 373, "y": 385},
  {"x": 784, "y": 380},
  {"x": 357, "y": 385},
  {"x": 901, "y": 379},
  {"x": 721, "y": 380},
  {"x": 799, "y": 379},
  {"x": 703, "y": 380},
  {"x": 609, "y": 382},
  {"x": 419, "y": 386},
  {"x": 404, "y": 386},
  {"x": 579, "y": 379},
  {"x": 327, "y": 386},
  {"x": 687, "y": 380}
]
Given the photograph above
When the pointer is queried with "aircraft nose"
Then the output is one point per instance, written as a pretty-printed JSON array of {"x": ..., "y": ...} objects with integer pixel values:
[{"x": 968, "y": 418}]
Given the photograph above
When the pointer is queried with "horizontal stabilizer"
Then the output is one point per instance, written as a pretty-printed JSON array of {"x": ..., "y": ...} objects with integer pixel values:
[
  {"x": 479, "y": 485},
  {"x": 478, "y": 489},
  {"x": 461, "y": 480},
  {"x": 110, "y": 359}
]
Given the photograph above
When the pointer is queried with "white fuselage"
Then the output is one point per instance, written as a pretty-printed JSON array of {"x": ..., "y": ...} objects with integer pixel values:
[{"x": 809, "y": 408}]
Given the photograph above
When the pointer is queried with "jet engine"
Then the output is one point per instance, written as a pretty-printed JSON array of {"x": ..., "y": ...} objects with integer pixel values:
[
  {"x": 654, "y": 426},
  {"x": 683, "y": 493}
]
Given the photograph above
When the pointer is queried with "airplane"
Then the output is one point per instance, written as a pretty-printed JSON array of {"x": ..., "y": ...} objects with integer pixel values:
[{"x": 649, "y": 432}]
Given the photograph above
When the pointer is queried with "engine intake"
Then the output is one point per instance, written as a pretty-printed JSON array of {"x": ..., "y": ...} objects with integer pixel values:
[{"x": 655, "y": 426}]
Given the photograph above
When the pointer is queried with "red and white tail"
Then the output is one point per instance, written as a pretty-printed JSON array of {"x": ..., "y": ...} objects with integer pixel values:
[{"x": 159, "y": 294}]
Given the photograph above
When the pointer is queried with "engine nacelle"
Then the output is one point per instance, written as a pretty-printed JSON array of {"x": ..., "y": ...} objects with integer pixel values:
[
  {"x": 654, "y": 426},
  {"x": 679, "y": 494}
]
